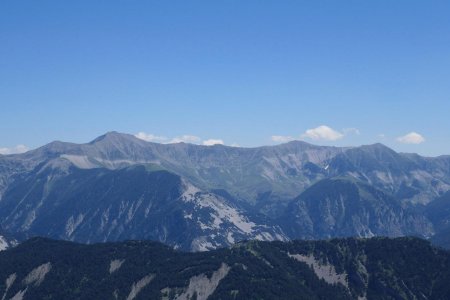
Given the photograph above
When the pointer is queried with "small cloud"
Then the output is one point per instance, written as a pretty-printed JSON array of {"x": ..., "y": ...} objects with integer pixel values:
[
  {"x": 14, "y": 150},
  {"x": 351, "y": 130},
  {"x": 151, "y": 137},
  {"x": 381, "y": 136},
  {"x": 411, "y": 138},
  {"x": 282, "y": 138},
  {"x": 186, "y": 139},
  {"x": 165, "y": 140},
  {"x": 21, "y": 149},
  {"x": 323, "y": 133},
  {"x": 235, "y": 145},
  {"x": 212, "y": 142}
]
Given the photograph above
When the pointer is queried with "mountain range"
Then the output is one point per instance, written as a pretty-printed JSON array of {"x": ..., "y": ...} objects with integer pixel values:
[{"x": 194, "y": 197}]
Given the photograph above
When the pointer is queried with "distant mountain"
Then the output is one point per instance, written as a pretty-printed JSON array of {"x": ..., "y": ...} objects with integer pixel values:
[
  {"x": 119, "y": 187},
  {"x": 378, "y": 268},
  {"x": 137, "y": 202},
  {"x": 246, "y": 173},
  {"x": 344, "y": 207},
  {"x": 407, "y": 177},
  {"x": 284, "y": 170}
]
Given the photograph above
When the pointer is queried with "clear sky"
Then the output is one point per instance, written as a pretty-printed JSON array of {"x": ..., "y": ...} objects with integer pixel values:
[{"x": 245, "y": 72}]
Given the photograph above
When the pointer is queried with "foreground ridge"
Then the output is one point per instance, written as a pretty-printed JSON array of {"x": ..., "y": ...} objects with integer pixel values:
[{"x": 382, "y": 268}]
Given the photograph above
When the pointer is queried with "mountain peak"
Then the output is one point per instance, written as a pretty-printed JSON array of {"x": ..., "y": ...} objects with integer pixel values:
[
  {"x": 114, "y": 136},
  {"x": 299, "y": 142},
  {"x": 379, "y": 151},
  {"x": 376, "y": 147}
]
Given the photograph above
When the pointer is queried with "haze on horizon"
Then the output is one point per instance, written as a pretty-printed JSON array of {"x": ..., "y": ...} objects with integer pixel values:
[{"x": 341, "y": 73}]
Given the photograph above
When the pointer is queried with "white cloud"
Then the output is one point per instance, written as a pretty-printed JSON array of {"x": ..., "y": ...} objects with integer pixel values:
[
  {"x": 165, "y": 140},
  {"x": 211, "y": 142},
  {"x": 151, "y": 137},
  {"x": 281, "y": 138},
  {"x": 323, "y": 133},
  {"x": 381, "y": 136},
  {"x": 186, "y": 139},
  {"x": 411, "y": 138},
  {"x": 14, "y": 150}
]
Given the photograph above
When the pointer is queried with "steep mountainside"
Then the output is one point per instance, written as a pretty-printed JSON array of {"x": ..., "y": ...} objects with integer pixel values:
[
  {"x": 379, "y": 268},
  {"x": 342, "y": 207},
  {"x": 139, "y": 202}
]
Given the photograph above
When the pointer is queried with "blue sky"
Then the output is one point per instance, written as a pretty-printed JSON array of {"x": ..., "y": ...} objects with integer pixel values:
[{"x": 237, "y": 71}]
